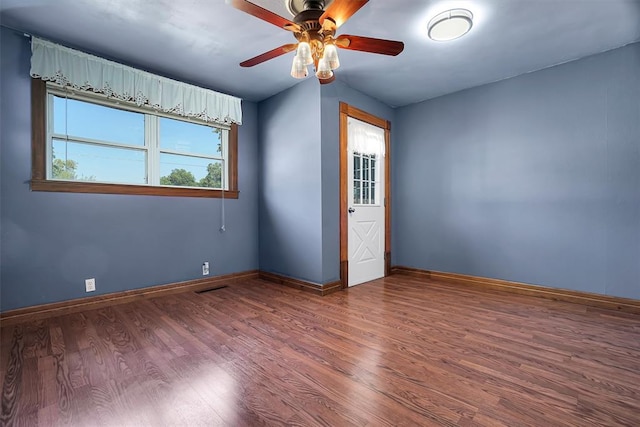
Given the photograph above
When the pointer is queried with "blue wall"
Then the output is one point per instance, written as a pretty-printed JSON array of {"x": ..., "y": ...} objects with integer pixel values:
[
  {"x": 299, "y": 178},
  {"x": 332, "y": 95},
  {"x": 290, "y": 185},
  {"x": 51, "y": 242},
  {"x": 534, "y": 179}
]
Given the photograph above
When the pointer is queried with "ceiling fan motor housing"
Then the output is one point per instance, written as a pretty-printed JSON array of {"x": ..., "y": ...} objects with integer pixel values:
[
  {"x": 309, "y": 19},
  {"x": 314, "y": 4}
]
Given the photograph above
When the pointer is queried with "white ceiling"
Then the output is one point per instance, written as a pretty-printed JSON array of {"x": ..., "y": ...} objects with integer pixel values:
[{"x": 202, "y": 41}]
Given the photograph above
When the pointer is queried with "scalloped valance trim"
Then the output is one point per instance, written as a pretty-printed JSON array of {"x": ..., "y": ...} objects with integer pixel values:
[{"x": 81, "y": 71}]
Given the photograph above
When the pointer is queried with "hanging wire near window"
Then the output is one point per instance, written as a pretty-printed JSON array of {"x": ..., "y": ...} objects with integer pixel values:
[
  {"x": 222, "y": 182},
  {"x": 66, "y": 131}
]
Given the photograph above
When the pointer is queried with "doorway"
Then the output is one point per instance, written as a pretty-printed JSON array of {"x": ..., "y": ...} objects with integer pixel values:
[{"x": 365, "y": 208}]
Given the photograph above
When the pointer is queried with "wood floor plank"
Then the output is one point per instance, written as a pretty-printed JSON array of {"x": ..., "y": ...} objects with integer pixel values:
[
  {"x": 12, "y": 385},
  {"x": 396, "y": 351},
  {"x": 6, "y": 338},
  {"x": 47, "y": 391}
]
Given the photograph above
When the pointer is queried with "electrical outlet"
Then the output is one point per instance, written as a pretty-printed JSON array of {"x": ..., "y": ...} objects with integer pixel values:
[
  {"x": 90, "y": 285},
  {"x": 205, "y": 268}
]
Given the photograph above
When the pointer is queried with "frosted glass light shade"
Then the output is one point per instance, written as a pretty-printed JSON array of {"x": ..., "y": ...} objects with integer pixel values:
[
  {"x": 304, "y": 53},
  {"x": 450, "y": 25},
  {"x": 331, "y": 54},
  {"x": 299, "y": 68},
  {"x": 324, "y": 71}
]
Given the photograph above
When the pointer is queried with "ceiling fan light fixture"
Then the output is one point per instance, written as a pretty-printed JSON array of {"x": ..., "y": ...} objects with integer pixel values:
[
  {"x": 304, "y": 53},
  {"x": 450, "y": 25},
  {"x": 324, "y": 71},
  {"x": 314, "y": 26},
  {"x": 299, "y": 68},
  {"x": 331, "y": 54}
]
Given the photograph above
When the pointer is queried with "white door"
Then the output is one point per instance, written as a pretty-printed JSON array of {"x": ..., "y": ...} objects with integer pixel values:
[{"x": 366, "y": 201}]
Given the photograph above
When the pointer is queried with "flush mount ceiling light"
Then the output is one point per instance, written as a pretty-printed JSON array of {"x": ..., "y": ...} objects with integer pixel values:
[{"x": 450, "y": 24}]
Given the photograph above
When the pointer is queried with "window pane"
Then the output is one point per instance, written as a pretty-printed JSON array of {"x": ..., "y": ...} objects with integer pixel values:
[
  {"x": 365, "y": 168},
  {"x": 373, "y": 193},
  {"x": 85, "y": 120},
  {"x": 87, "y": 162},
  {"x": 356, "y": 166},
  {"x": 186, "y": 137},
  {"x": 187, "y": 171},
  {"x": 356, "y": 192},
  {"x": 365, "y": 193},
  {"x": 373, "y": 169}
]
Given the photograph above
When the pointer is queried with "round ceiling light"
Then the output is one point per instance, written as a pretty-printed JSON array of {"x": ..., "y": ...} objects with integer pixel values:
[{"x": 450, "y": 25}]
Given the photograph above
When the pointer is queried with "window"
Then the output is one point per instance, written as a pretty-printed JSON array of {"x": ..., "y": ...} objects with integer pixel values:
[
  {"x": 365, "y": 179},
  {"x": 88, "y": 143}
]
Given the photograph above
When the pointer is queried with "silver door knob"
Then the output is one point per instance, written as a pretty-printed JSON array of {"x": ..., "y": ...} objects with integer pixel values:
[{"x": 351, "y": 210}]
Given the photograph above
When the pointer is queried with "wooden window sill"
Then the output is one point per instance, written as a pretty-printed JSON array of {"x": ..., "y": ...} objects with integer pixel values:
[{"x": 144, "y": 190}]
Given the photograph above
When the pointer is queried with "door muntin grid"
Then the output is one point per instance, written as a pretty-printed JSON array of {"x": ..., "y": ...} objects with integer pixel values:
[{"x": 366, "y": 180}]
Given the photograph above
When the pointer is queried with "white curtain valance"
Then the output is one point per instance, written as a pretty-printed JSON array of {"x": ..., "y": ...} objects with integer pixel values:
[
  {"x": 365, "y": 138},
  {"x": 81, "y": 71}
]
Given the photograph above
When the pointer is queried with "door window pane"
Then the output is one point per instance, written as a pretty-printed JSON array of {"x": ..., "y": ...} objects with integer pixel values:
[
  {"x": 365, "y": 192},
  {"x": 93, "y": 121},
  {"x": 356, "y": 192},
  {"x": 356, "y": 166},
  {"x": 373, "y": 168},
  {"x": 89, "y": 162},
  {"x": 365, "y": 168}
]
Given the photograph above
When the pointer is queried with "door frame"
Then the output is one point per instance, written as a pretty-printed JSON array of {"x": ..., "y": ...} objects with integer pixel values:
[{"x": 347, "y": 111}]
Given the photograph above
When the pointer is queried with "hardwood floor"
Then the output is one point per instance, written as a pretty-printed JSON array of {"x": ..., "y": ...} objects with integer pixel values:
[{"x": 397, "y": 351}]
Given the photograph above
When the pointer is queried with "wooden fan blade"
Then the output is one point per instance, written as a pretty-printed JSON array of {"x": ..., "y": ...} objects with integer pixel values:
[
  {"x": 274, "y": 53},
  {"x": 327, "y": 81},
  {"x": 341, "y": 10},
  {"x": 264, "y": 14},
  {"x": 369, "y": 44}
]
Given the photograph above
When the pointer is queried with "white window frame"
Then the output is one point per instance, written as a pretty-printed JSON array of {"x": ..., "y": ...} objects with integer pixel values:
[
  {"x": 151, "y": 137},
  {"x": 376, "y": 180}
]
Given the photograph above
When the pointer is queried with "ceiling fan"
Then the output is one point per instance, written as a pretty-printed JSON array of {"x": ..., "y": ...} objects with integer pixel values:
[{"x": 314, "y": 27}]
